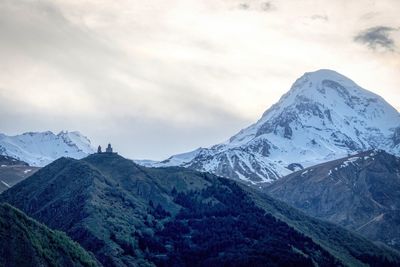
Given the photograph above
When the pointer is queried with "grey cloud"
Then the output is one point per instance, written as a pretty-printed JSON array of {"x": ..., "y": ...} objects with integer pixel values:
[
  {"x": 133, "y": 94},
  {"x": 244, "y": 6},
  {"x": 39, "y": 31},
  {"x": 377, "y": 37},
  {"x": 267, "y": 6},
  {"x": 369, "y": 15},
  {"x": 257, "y": 5},
  {"x": 43, "y": 34},
  {"x": 319, "y": 17}
]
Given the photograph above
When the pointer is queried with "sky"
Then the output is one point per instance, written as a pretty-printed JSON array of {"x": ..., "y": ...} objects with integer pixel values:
[{"x": 157, "y": 78}]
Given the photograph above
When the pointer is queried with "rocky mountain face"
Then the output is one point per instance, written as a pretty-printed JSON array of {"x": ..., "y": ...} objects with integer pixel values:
[
  {"x": 25, "y": 242},
  {"x": 13, "y": 171},
  {"x": 129, "y": 215},
  {"x": 41, "y": 148},
  {"x": 9, "y": 161},
  {"x": 360, "y": 193},
  {"x": 324, "y": 116}
]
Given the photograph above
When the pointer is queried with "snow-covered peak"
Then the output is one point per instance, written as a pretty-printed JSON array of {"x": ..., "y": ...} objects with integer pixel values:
[
  {"x": 325, "y": 98},
  {"x": 324, "y": 116},
  {"x": 326, "y": 74},
  {"x": 41, "y": 148},
  {"x": 330, "y": 89}
]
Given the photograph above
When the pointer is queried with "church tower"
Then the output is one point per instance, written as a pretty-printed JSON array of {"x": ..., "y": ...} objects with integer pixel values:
[{"x": 109, "y": 149}]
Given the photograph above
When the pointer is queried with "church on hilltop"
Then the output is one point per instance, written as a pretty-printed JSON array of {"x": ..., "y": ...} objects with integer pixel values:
[{"x": 109, "y": 150}]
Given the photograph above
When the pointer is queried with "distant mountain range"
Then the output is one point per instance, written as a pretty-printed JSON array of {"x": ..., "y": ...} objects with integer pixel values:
[
  {"x": 41, "y": 148},
  {"x": 25, "y": 243},
  {"x": 324, "y": 116},
  {"x": 130, "y": 215},
  {"x": 361, "y": 193},
  {"x": 13, "y": 171},
  {"x": 127, "y": 214}
]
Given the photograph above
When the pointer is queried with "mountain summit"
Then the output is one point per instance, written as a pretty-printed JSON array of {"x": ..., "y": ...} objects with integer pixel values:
[
  {"x": 324, "y": 116},
  {"x": 41, "y": 148}
]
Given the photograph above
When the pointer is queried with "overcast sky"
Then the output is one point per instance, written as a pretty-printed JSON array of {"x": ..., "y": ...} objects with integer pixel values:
[{"x": 159, "y": 77}]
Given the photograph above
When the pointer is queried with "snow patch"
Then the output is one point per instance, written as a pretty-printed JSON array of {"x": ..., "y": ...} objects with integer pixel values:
[
  {"x": 349, "y": 161},
  {"x": 4, "y": 183}
]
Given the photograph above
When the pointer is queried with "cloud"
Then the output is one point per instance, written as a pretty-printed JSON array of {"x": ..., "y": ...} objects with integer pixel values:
[
  {"x": 377, "y": 37},
  {"x": 244, "y": 6},
  {"x": 257, "y": 5},
  {"x": 319, "y": 17},
  {"x": 369, "y": 15},
  {"x": 267, "y": 6}
]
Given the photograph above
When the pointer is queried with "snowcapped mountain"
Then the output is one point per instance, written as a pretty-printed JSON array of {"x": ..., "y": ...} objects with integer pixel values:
[
  {"x": 41, "y": 148},
  {"x": 324, "y": 116}
]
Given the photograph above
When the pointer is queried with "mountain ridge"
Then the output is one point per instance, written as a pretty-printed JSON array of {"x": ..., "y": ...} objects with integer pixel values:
[
  {"x": 324, "y": 116},
  {"x": 360, "y": 193},
  {"x": 41, "y": 148},
  {"x": 130, "y": 215}
]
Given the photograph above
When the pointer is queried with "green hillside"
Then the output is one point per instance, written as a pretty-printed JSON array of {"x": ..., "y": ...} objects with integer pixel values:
[
  {"x": 129, "y": 215},
  {"x": 25, "y": 242}
]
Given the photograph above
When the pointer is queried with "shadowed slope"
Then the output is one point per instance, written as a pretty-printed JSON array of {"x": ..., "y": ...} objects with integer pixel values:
[
  {"x": 130, "y": 215},
  {"x": 25, "y": 242},
  {"x": 361, "y": 193}
]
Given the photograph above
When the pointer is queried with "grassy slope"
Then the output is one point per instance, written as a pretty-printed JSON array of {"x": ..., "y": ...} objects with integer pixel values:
[
  {"x": 108, "y": 204},
  {"x": 25, "y": 242},
  {"x": 362, "y": 196},
  {"x": 345, "y": 245}
]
